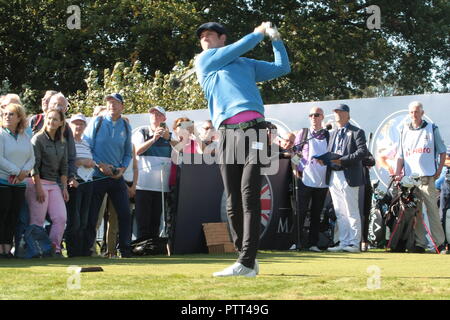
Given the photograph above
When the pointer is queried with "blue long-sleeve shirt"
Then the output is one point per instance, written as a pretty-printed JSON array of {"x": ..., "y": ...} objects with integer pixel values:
[
  {"x": 111, "y": 144},
  {"x": 229, "y": 81}
]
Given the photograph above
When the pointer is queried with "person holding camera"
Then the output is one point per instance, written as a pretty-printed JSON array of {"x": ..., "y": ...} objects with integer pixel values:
[
  {"x": 187, "y": 141},
  {"x": 153, "y": 151},
  {"x": 109, "y": 138}
]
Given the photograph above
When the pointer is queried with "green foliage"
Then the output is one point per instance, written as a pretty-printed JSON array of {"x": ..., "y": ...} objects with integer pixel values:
[
  {"x": 27, "y": 95},
  {"x": 140, "y": 93},
  {"x": 333, "y": 53},
  {"x": 39, "y": 49},
  {"x": 5, "y": 87}
]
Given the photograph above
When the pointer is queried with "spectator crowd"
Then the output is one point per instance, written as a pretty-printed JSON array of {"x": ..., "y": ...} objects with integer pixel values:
[{"x": 68, "y": 175}]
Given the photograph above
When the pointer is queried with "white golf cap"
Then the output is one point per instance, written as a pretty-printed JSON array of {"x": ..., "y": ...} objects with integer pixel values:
[
  {"x": 78, "y": 117},
  {"x": 159, "y": 109}
]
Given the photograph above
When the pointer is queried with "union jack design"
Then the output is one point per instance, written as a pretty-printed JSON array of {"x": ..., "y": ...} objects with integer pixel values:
[{"x": 266, "y": 204}]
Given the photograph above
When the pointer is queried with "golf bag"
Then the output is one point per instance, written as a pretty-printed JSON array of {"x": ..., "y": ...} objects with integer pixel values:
[
  {"x": 402, "y": 216},
  {"x": 377, "y": 227}
]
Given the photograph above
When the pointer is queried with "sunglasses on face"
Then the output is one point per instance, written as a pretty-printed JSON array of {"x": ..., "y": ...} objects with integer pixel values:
[{"x": 315, "y": 115}]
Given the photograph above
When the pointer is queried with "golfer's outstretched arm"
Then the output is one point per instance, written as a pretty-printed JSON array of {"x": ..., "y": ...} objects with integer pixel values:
[
  {"x": 279, "y": 67},
  {"x": 214, "y": 59}
]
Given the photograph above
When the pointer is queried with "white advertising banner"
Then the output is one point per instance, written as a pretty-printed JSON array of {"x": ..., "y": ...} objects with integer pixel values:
[{"x": 381, "y": 119}]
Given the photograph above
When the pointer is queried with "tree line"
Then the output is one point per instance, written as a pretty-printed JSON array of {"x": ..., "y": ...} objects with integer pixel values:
[{"x": 143, "y": 46}]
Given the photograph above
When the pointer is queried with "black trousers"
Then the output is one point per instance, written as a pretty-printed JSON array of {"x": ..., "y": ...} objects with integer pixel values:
[
  {"x": 242, "y": 183},
  {"x": 11, "y": 200},
  {"x": 445, "y": 205},
  {"x": 77, "y": 219},
  {"x": 148, "y": 209},
  {"x": 368, "y": 192},
  {"x": 315, "y": 196},
  {"x": 117, "y": 191}
]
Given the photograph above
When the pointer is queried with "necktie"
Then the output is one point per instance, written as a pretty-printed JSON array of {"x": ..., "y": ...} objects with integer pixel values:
[{"x": 340, "y": 141}]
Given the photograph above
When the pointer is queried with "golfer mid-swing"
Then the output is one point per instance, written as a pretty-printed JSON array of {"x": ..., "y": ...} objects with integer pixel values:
[{"x": 235, "y": 105}]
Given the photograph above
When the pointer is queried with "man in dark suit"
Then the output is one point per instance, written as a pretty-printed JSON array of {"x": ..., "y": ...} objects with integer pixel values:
[{"x": 345, "y": 176}]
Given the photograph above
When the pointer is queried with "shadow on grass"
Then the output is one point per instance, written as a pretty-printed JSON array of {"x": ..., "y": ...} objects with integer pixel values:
[
  {"x": 300, "y": 256},
  {"x": 349, "y": 276},
  {"x": 94, "y": 261},
  {"x": 293, "y": 257}
]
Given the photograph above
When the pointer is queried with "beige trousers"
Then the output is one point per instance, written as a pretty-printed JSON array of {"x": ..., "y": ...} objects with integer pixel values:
[
  {"x": 113, "y": 225},
  {"x": 427, "y": 194}
]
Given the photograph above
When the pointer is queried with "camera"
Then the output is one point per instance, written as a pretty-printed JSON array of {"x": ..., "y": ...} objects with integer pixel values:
[
  {"x": 162, "y": 124},
  {"x": 186, "y": 124}
]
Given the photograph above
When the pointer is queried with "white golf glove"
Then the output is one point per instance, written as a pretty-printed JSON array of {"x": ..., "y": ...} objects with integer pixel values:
[{"x": 272, "y": 31}]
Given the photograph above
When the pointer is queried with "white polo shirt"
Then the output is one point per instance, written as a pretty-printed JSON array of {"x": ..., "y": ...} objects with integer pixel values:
[{"x": 314, "y": 173}]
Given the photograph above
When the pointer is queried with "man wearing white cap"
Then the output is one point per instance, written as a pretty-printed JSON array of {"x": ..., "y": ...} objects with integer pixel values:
[
  {"x": 81, "y": 195},
  {"x": 153, "y": 150}
]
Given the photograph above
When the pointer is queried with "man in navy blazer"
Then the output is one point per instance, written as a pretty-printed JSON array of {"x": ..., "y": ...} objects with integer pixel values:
[{"x": 345, "y": 176}]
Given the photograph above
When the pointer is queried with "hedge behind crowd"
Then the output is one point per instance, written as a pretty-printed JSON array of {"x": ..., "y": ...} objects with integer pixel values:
[{"x": 168, "y": 90}]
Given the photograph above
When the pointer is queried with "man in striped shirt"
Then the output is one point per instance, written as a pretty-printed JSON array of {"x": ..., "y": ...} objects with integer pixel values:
[{"x": 81, "y": 192}]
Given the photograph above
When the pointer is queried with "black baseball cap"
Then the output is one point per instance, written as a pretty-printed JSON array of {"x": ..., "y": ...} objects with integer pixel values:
[
  {"x": 342, "y": 107},
  {"x": 214, "y": 26}
]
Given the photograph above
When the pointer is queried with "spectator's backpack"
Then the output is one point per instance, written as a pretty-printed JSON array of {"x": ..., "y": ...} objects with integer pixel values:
[
  {"x": 99, "y": 125},
  {"x": 37, "y": 121},
  {"x": 37, "y": 243}
]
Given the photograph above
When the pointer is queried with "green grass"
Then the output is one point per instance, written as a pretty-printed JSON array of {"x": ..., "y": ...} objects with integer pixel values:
[{"x": 283, "y": 275}]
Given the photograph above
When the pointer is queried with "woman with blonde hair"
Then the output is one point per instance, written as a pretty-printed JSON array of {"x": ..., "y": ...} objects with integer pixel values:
[
  {"x": 43, "y": 193},
  {"x": 16, "y": 161}
]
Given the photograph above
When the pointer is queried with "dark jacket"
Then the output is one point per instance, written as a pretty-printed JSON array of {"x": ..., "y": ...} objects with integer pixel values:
[
  {"x": 354, "y": 151},
  {"x": 36, "y": 124},
  {"x": 368, "y": 162},
  {"x": 51, "y": 157}
]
